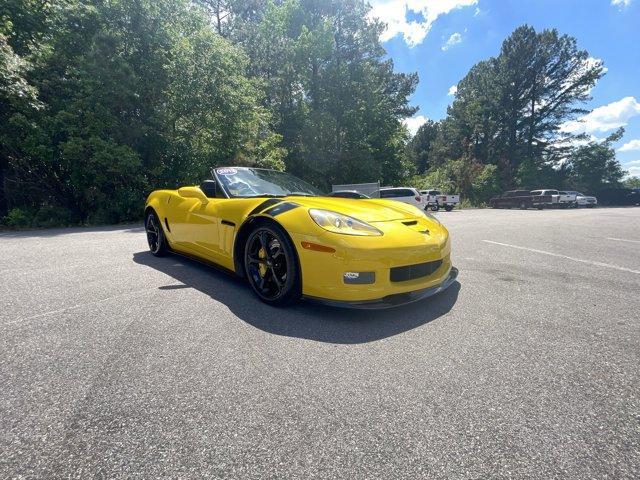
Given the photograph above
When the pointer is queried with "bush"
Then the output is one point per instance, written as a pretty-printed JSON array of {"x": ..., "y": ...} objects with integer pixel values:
[
  {"x": 18, "y": 218},
  {"x": 51, "y": 216}
]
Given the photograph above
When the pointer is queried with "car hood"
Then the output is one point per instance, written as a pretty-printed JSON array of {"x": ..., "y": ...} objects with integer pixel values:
[{"x": 367, "y": 210}]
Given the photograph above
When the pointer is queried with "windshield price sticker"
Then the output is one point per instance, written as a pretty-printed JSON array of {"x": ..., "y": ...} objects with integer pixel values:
[{"x": 226, "y": 171}]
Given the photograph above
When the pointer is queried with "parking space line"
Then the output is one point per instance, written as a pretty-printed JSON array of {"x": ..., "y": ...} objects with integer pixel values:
[
  {"x": 622, "y": 240},
  {"x": 551, "y": 254}
]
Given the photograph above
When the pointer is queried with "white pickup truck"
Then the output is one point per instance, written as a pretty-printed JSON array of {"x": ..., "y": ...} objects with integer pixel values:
[
  {"x": 556, "y": 198},
  {"x": 435, "y": 200},
  {"x": 567, "y": 199}
]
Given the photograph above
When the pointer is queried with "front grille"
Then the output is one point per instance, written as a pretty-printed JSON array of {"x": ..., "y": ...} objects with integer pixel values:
[{"x": 411, "y": 272}]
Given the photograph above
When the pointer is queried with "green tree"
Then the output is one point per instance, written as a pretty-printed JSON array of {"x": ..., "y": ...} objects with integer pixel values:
[
  {"x": 594, "y": 166},
  {"x": 509, "y": 110},
  {"x": 335, "y": 100},
  {"x": 136, "y": 94},
  {"x": 419, "y": 147}
]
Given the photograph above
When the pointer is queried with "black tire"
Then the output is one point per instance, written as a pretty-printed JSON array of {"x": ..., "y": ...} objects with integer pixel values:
[
  {"x": 540, "y": 207},
  {"x": 155, "y": 235},
  {"x": 435, "y": 208},
  {"x": 523, "y": 206},
  {"x": 271, "y": 265},
  {"x": 448, "y": 208}
]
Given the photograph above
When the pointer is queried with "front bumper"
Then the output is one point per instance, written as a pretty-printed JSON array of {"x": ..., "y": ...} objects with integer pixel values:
[{"x": 393, "y": 300}]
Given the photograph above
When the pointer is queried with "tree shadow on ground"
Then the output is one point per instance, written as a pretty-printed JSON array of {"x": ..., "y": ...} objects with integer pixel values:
[
  {"x": 55, "y": 232},
  {"x": 302, "y": 320}
]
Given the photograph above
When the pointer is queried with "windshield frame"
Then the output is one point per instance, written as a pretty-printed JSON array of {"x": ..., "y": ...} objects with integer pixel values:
[{"x": 223, "y": 186}]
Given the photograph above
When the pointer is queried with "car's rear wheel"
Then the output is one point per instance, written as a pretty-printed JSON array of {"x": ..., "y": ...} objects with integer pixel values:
[
  {"x": 523, "y": 206},
  {"x": 448, "y": 208},
  {"x": 272, "y": 266},
  {"x": 155, "y": 235}
]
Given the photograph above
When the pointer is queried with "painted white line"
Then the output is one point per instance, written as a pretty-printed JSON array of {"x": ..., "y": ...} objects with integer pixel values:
[
  {"x": 551, "y": 254},
  {"x": 622, "y": 240}
]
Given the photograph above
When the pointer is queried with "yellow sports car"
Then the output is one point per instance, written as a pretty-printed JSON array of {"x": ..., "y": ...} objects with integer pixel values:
[{"x": 289, "y": 240}]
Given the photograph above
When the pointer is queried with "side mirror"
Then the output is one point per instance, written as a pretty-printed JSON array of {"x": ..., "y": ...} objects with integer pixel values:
[{"x": 193, "y": 192}]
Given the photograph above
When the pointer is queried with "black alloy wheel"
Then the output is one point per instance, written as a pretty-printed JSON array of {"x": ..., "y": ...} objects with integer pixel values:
[
  {"x": 271, "y": 265},
  {"x": 155, "y": 235}
]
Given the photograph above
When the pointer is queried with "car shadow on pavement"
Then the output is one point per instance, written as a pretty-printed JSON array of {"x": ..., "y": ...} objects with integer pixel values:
[{"x": 304, "y": 319}]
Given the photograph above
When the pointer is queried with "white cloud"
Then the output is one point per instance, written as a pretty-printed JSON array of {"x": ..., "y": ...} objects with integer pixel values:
[
  {"x": 414, "y": 123},
  {"x": 633, "y": 168},
  {"x": 453, "y": 89},
  {"x": 605, "y": 118},
  {"x": 394, "y": 14},
  {"x": 454, "y": 39},
  {"x": 621, "y": 3},
  {"x": 630, "y": 146}
]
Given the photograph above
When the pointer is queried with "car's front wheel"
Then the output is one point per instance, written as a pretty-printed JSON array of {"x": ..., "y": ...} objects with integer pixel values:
[
  {"x": 271, "y": 265},
  {"x": 155, "y": 235}
]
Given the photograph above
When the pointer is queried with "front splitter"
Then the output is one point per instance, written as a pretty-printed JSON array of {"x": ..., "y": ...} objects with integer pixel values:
[{"x": 391, "y": 301}]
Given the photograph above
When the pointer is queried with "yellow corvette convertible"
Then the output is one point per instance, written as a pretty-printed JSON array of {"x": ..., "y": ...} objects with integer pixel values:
[{"x": 288, "y": 240}]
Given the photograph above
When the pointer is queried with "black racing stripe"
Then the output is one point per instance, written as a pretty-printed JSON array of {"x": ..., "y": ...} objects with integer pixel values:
[
  {"x": 227, "y": 222},
  {"x": 281, "y": 208},
  {"x": 264, "y": 205}
]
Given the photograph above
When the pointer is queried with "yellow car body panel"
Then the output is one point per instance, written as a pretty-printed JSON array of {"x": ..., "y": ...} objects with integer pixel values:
[{"x": 209, "y": 230}]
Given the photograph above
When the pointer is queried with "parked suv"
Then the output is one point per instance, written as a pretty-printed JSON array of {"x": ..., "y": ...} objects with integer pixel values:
[{"x": 403, "y": 194}]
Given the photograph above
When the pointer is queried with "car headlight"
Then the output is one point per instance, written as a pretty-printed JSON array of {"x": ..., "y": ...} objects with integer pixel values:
[{"x": 338, "y": 223}]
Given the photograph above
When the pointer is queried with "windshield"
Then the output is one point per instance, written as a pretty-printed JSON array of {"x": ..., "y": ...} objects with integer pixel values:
[{"x": 260, "y": 182}]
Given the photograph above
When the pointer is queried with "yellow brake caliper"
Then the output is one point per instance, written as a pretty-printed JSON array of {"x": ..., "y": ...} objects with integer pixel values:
[{"x": 262, "y": 267}]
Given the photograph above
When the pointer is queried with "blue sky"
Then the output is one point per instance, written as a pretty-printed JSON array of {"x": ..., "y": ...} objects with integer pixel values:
[{"x": 442, "y": 39}]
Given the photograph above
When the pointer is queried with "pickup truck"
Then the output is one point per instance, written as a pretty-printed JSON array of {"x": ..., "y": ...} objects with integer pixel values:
[
  {"x": 435, "y": 200},
  {"x": 545, "y": 198},
  {"x": 567, "y": 199},
  {"x": 520, "y": 198},
  {"x": 584, "y": 200}
]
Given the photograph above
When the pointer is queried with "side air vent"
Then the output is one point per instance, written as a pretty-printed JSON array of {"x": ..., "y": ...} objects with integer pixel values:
[
  {"x": 166, "y": 222},
  {"x": 410, "y": 222}
]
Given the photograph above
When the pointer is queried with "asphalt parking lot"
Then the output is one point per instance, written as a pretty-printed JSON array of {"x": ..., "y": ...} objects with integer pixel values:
[{"x": 116, "y": 364}]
